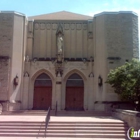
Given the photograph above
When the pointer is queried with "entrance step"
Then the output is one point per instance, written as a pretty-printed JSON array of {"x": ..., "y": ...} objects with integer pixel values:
[
  {"x": 25, "y": 112},
  {"x": 82, "y": 113},
  {"x": 66, "y": 127},
  {"x": 59, "y": 113}
]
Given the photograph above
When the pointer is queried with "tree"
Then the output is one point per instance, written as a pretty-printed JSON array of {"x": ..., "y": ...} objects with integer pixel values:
[{"x": 126, "y": 81}]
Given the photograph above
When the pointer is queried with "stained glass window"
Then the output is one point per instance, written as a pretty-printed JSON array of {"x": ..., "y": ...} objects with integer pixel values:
[
  {"x": 74, "y": 81},
  {"x": 43, "y": 80}
]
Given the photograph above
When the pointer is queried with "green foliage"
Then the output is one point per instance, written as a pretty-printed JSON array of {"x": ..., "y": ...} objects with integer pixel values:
[{"x": 126, "y": 80}]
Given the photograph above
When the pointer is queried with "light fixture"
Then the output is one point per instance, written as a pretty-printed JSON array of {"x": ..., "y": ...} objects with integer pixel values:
[
  {"x": 16, "y": 80},
  {"x": 100, "y": 81}
]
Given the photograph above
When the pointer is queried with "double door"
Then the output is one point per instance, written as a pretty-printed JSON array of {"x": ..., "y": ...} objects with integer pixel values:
[
  {"x": 74, "y": 98},
  {"x": 42, "y": 98}
]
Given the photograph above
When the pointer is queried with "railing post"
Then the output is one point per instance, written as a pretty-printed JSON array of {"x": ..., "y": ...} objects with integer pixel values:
[
  {"x": 56, "y": 109},
  {"x": 47, "y": 120}
]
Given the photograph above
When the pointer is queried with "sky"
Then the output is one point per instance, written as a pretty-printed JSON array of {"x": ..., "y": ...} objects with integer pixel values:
[{"x": 86, "y": 7}]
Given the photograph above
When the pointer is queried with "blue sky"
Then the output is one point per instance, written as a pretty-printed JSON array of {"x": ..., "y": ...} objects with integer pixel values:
[{"x": 86, "y": 7}]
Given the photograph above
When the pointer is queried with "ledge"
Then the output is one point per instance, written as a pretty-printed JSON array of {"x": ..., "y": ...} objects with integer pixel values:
[
  {"x": 128, "y": 112},
  {"x": 129, "y": 116},
  {"x": 4, "y": 57}
]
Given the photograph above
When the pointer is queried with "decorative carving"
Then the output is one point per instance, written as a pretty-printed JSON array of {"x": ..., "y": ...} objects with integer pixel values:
[
  {"x": 54, "y": 26},
  {"x": 59, "y": 65},
  {"x": 42, "y": 26},
  {"x": 91, "y": 74},
  {"x": 27, "y": 59},
  {"x": 78, "y": 26},
  {"x": 26, "y": 74},
  {"x": 72, "y": 26},
  {"x": 90, "y": 35},
  {"x": 36, "y": 26},
  {"x": 48, "y": 26},
  {"x": 67, "y": 26}
]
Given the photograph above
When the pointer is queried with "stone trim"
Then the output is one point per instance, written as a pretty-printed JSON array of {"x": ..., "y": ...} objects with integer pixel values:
[
  {"x": 129, "y": 116},
  {"x": 119, "y": 12}
]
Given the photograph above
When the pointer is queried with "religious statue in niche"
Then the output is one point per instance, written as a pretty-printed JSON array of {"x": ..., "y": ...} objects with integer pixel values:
[
  {"x": 60, "y": 39},
  {"x": 60, "y": 43},
  {"x": 60, "y": 50}
]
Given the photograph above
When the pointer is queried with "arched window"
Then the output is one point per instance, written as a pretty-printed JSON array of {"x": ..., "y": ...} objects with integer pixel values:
[
  {"x": 75, "y": 81},
  {"x": 43, "y": 80}
]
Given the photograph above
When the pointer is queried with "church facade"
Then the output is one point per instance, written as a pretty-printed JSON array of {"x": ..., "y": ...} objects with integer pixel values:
[{"x": 63, "y": 58}]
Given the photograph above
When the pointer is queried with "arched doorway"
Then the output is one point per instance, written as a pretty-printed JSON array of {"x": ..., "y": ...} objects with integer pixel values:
[
  {"x": 74, "y": 93},
  {"x": 42, "y": 92}
]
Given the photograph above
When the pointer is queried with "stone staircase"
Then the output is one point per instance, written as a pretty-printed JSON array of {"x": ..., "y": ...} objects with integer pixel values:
[
  {"x": 101, "y": 127},
  {"x": 108, "y": 130}
]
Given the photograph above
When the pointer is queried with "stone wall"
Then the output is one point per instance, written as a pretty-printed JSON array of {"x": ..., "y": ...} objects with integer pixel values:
[
  {"x": 78, "y": 39},
  {"x": 135, "y": 37},
  {"x": 121, "y": 38},
  {"x": 129, "y": 116},
  {"x": 121, "y": 31},
  {"x": 4, "y": 78},
  {"x": 6, "y": 35}
]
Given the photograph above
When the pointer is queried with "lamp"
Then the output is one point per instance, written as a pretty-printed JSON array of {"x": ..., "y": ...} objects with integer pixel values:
[
  {"x": 16, "y": 80},
  {"x": 100, "y": 81}
]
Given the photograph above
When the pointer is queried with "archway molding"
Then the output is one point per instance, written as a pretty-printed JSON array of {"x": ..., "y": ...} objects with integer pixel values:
[
  {"x": 65, "y": 78},
  {"x": 32, "y": 81}
]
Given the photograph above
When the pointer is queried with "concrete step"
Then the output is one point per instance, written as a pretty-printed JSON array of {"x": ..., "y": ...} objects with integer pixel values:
[
  {"x": 82, "y": 113},
  {"x": 66, "y": 135},
  {"x": 59, "y": 113},
  {"x": 25, "y": 112},
  {"x": 73, "y": 133},
  {"x": 67, "y": 127}
]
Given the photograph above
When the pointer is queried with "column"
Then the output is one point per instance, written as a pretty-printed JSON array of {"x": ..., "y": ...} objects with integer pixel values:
[
  {"x": 58, "y": 91},
  {"x": 91, "y": 94},
  {"x": 25, "y": 91},
  {"x": 91, "y": 97}
]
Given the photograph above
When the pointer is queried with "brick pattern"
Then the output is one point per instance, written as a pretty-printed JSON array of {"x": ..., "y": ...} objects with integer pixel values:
[
  {"x": 6, "y": 32},
  {"x": 4, "y": 70},
  {"x": 121, "y": 33},
  {"x": 135, "y": 37}
]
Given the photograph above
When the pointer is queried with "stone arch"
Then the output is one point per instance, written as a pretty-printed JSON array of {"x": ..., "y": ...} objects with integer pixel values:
[
  {"x": 36, "y": 74},
  {"x": 65, "y": 77},
  {"x": 75, "y": 71},
  {"x": 33, "y": 78}
]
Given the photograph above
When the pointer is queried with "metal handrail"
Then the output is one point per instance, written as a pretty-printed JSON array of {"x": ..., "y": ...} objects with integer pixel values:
[
  {"x": 47, "y": 119},
  {"x": 56, "y": 109}
]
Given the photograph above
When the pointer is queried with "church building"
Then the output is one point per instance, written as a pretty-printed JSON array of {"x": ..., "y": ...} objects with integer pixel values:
[{"x": 63, "y": 58}]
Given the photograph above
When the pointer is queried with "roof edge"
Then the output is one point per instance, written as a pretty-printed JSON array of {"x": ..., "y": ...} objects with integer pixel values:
[
  {"x": 119, "y": 12},
  {"x": 13, "y": 12}
]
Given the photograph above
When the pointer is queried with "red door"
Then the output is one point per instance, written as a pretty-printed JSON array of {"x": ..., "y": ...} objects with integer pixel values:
[
  {"x": 74, "y": 98},
  {"x": 42, "y": 98}
]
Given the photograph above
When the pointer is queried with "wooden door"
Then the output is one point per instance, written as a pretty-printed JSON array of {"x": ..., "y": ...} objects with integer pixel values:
[
  {"x": 42, "y": 98},
  {"x": 74, "y": 98}
]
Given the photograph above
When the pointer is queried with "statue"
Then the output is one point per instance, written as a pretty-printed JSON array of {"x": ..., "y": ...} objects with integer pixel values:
[
  {"x": 27, "y": 59},
  {"x": 60, "y": 43}
]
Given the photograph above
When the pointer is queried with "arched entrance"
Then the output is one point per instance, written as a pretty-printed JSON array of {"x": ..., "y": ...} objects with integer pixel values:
[
  {"x": 42, "y": 92},
  {"x": 74, "y": 93}
]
